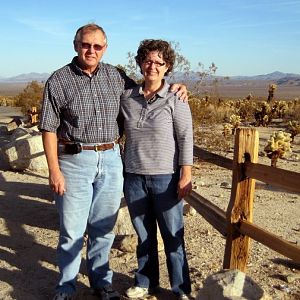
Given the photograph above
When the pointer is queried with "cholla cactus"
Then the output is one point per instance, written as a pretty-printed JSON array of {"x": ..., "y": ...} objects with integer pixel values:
[
  {"x": 272, "y": 88},
  {"x": 280, "y": 108},
  {"x": 229, "y": 103},
  {"x": 293, "y": 129},
  {"x": 265, "y": 120},
  {"x": 263, "y": 114},
  {"x": 249, "y": 96},
  {"x": 245, "y": 109},
  {"x": 277, "y": 146},
  {"x": 227, "y": 129},
  {"x": 2, "y": 102},
  {"x": 235, "y": 122}
]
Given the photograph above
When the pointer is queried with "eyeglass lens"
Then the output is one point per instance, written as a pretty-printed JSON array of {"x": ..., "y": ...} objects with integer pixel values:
[
  {"x": 156, "y": 63},
  {"x": 96, "y": 47}
]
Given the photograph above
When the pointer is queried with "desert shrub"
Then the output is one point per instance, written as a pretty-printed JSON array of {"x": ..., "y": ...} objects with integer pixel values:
[
  {"x": 207, "y": 112},
  {"x": 30, "y": 97},
  {"x": 8, "y": 101},
  {"x": 211, "y": 138}
]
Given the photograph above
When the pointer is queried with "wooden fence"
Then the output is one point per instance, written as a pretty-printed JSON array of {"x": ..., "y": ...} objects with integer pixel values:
[
  {"x": 33, "y": 115},
  {"x": 236, "y": 223}
]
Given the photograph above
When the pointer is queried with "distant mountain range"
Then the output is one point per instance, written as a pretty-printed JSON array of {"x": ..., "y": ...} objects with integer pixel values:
[
  {"x": 28, "y": 77},
  {"x": 269, "y": 77},
  {"x": 277, "y": 77}
]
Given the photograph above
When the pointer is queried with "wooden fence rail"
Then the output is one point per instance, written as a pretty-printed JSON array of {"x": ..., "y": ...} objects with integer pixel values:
[{"x": 236, "y": 223}]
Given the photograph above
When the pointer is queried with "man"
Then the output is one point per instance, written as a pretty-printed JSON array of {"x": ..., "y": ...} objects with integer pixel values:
[{"x": 80, "y": 136}]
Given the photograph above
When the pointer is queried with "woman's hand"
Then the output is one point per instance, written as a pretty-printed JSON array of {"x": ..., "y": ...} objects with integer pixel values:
[{"x": 185, "y": 182}]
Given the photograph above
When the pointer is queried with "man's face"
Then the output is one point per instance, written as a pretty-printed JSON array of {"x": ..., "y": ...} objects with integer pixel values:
[{"x": 90, "y": 49}]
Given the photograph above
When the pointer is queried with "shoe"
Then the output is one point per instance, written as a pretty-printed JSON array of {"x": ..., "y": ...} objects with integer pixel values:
[
  {"x": 136, "y": 292},
  {"x": 62, "y": 296},
  {"x": 184, "y": 297},
  {"x": 107, "y": 293}
]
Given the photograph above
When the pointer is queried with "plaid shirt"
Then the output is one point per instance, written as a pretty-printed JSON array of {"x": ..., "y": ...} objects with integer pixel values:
[{"x": 82, "y": 108}]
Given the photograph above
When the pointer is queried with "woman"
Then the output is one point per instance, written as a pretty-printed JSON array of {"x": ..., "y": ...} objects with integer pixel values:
[{"x": 158, "y": 158}]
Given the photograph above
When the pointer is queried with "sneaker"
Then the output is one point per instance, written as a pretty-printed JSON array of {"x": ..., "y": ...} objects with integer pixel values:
[
  {"x": 135, "y": 292},
  {"x": 107, "y": 293},
  {"x": 184, "y": 297},
  {"x": 62, "y": 296}
]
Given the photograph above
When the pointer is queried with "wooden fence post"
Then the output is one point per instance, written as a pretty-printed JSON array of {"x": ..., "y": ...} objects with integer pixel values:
[
  {"x": 241, "y": 201},
  {"x": 34, "y": 115}
]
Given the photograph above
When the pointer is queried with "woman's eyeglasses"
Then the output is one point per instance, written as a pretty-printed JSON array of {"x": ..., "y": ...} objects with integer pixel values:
[{"x": 149, "y": 63}]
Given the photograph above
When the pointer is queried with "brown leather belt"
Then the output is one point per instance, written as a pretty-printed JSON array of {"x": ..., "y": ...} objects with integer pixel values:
[
  {"x": 100, "y": 147},
  {"x": 96, "y": 147}
]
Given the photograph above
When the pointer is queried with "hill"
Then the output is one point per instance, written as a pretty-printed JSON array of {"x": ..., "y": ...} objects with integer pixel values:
[
  {"x": 28, "y": 77},
  {"x": 234, "y": 87}
]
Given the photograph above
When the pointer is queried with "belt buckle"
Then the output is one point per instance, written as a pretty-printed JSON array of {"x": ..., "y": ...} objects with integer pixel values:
[{"x": 98, "y": 148}]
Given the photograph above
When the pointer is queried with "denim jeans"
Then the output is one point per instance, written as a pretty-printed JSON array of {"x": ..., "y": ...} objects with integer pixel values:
[
  {"x": 152, "y": 200},
  {"x": 94, "y": 185}
]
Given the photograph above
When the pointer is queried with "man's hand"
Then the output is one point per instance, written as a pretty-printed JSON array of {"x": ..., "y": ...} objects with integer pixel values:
[
  {"x": 56, "y": 178},
  {"x": 57, "y": 182},
  {"x": 181, "y": 91}
]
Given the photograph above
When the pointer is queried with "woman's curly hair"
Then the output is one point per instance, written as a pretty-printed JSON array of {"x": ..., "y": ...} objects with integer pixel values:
[{"x": 164, "y": 49}]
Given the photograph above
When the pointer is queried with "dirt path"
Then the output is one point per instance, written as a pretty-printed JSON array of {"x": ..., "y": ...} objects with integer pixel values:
[{"x": 29, "y": 223}]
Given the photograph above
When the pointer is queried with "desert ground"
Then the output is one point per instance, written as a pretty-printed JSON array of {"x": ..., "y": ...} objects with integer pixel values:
[{"x": 29, "y": 232}]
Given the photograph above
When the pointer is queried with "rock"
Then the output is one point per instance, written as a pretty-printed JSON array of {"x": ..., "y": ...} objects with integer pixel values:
[
  {"x": 34, "y": 130},
  {"x": 291, "y": 277},
  {"x": 282, "y": 287},
  {"x": 15, "y": 123},
  {"x": 199, "y": 182},
  {"x": 124, "y": 228},
  {"x": 123, "y": 225},
  {"x": 3, "y": 130},
  {"x": 26, "y": 153},
  {"x": 225, "y": 185},
  {"x": 294, "y": 157},
  {"x": 19, "y": 133},
  {"x": 127, "y": 243},
  {"x": 11, "y": 126},
  {"x": 231, "y": 284},
  {"x": 188, "y": 210}
]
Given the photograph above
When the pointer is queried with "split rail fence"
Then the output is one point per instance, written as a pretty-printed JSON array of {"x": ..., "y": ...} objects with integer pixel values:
[{"x": 236, "y": 223}]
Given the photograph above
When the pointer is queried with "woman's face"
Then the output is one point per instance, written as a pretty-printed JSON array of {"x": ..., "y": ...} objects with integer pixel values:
[{"x": 154, "y": 67}]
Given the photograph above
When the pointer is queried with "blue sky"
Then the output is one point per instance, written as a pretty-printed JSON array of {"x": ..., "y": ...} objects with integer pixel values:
[{"x": 240, "y": 37}]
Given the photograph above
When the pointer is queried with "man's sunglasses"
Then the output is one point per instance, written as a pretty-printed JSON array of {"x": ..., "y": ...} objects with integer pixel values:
[{"x": 88, "y": 46}]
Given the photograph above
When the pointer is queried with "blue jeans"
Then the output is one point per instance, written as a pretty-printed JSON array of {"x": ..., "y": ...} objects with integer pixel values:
[
  {"x": 94, "y": 185},
  {"x": 151, "y": 200}
]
